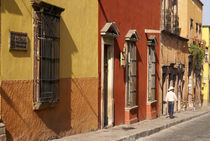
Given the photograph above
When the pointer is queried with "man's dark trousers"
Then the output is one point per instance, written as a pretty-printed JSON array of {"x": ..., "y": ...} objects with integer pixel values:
[{"x": 171, "y": 109}]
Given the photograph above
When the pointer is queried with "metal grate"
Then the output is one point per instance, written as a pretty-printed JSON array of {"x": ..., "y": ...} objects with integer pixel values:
[
  {"x": 46, "y": 52},
  {"x": 18, "y": 41},
  {"x": 131, "y": 75}
]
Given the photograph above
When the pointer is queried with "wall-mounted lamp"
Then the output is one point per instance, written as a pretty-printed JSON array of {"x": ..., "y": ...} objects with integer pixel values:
[{"x": 123, "y": 58}]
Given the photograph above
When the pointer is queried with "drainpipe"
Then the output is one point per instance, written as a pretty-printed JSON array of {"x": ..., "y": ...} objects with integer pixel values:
[{"x": 102, "y": 9}]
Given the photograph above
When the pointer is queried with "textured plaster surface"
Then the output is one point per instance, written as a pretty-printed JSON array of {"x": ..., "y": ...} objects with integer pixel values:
[
  {"x": 189, "y": 9},
  {"x": 79, "y": 26},
  {"x": 77, "y": 111},
  {"x": 205, "y": 80},
  {"x": 78, "y": 39},
  {"x": 148, "y": 18},
  {"x": 173, "y": 50},
  {"x": 20, "y": 62}
]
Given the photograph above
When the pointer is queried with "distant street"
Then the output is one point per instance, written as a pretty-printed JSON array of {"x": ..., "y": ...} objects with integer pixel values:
[{"x": 193, "y": 130}]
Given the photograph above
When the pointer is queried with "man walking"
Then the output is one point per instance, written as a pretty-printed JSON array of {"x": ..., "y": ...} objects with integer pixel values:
[{"x": 170, "y": 98}]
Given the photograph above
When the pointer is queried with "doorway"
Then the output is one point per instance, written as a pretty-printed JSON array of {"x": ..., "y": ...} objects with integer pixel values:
[
  {"x": 108, "y": 34},
  {"x": 107, "y": 91},
  {"x": 107, "y": 101}
]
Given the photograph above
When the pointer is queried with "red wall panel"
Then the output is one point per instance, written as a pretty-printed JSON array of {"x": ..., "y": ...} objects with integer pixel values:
[{"x": 139, "y": 15}]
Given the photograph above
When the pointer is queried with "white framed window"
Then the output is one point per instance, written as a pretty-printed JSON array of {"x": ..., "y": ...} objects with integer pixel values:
[
  {"x": 151, "y": 74},
  {"x": 131, "y": 74},
  {"x": 151, "y": 69},
  {"x": 131, "y": 68}
]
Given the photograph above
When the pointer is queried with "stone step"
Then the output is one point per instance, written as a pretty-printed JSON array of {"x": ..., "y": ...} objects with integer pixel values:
[
  {"x": 3, "y": 137},
  {"x": 2, "y": 131},
  {"x": 2, "y": 128}
]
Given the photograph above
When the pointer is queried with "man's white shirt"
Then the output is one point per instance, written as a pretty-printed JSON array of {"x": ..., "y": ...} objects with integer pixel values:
[{"x": 171, "y": 96}]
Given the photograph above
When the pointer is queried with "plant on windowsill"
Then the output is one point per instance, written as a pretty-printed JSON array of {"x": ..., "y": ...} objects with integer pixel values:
[{"x": 198, "y": 54}]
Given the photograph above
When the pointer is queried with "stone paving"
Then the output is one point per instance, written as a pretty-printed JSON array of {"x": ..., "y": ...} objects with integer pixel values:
[{"x": 137, "y": 130}]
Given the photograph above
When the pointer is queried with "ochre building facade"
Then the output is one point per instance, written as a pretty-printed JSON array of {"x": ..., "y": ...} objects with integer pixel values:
[{"x": 77, "y": 109}]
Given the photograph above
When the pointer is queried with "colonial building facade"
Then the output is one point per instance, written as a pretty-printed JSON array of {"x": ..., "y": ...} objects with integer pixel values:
[
  {"x": 173, "y": 56},
  {"x": 128, "y": 61},
  {"x": 49, "y": 69},
  {"x": 76, "y": 66},
  {"x": 72, "y": 66}
]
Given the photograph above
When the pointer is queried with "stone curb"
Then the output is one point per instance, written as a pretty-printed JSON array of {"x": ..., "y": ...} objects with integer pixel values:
[{"x": 141, "y": 134}]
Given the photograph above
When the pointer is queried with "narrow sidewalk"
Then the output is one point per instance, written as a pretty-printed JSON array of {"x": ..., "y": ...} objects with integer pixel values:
[{"x": 137, "y": 130}]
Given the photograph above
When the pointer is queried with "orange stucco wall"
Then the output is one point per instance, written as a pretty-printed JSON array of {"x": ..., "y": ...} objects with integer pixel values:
[{"x": 77, "y": 111}]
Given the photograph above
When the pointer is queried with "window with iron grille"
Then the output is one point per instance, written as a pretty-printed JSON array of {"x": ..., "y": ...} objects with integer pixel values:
[
  {"x": 196, "y": 27},
  {"x": 191, "y": 23},
  {"x": 200, "y": 28},
  {"x": 46, "y": 55},
  {"x": 206, "y": 55},
  {"x": 151, "y": 74},
  {"x": 131, "y": 74}
]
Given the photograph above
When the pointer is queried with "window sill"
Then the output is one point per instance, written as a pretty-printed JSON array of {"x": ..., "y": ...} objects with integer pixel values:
[
  {"x": 39, "y": 105},
  {"x": 130, "y": 108},
  {"x": 151, "y": 102}
]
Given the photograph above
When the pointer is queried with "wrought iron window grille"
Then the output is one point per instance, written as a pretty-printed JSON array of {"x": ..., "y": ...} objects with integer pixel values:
[{"x": 46, "y": 55}]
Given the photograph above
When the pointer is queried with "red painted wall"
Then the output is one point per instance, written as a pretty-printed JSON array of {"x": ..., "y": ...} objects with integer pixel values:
[{"x": 139, "y": 15}]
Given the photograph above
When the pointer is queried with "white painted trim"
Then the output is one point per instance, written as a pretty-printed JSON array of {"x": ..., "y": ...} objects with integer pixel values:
[
  {"x": 126, "y": 77},
  {"x": 152, "y": 31},
  {"x": 107, "y": 40},
  {"x": 147, "y": 73},
  {"x": 110, "y": 25},
  {"x": 150, "y": 102},
  {"x": 131, "y": 32},
  {"x": 102, "y": 82},
  {"x": 111, "y": 87},
  {"x": 130, "y": 108}
]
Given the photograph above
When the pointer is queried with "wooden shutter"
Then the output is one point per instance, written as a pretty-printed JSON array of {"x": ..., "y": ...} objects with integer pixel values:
[
  {"x": 151, "y": 74},
  {"x": 131, "y": 74}
]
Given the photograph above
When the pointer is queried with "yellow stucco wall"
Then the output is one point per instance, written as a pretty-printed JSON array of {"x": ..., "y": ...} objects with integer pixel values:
[
  {"x": 16, "y": 16},
  {"x": 79, "y": 37},
  {"x": 77, "y": 110},
  {"x": 189, "y": 9},
  {"x": 206, "y": 34},
  {"x": 78, "y": 43},
  {"x": 205, "y": 84},
  {"x": 183, "y": 18},
  {"x": 205, "y": 79}
]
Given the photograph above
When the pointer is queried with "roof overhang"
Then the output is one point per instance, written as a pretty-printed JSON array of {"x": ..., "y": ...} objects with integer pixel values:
[
  {"x": 172, "y": 34},
  {"x": 200, "y": 2},
  {"x": 110, "y": 29},
  {"x": 132, "y": 35}
]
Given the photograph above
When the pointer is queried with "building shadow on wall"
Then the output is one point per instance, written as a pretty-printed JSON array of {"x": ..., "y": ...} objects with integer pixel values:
[
  {"x": 138, "y": 77},
  {"x": 119, "y": 76},
  {"x": 10, "y": 102},
  {"x": 11, "y": 7},
  {"x": 59, "y": 119}
]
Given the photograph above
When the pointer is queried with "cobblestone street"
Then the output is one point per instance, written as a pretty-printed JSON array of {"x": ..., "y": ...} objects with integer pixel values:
[
  {"x": 193, "y": 130},
  {"x": 193, "y": 124}
]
